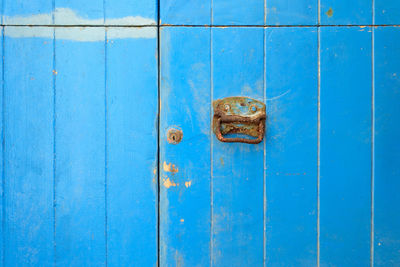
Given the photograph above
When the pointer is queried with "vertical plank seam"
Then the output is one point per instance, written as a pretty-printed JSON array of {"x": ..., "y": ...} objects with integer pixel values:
[
  {"x": 372, "y": 136},
  {"x": 211, "y": 152},
  {"x": 211, "y": 138},
  {"x": 318, "y": 12},
  {"x": 265, "y": 155},
  {"x": 265, "y": 12},
  {"x": 158, "y": 210},
  {"x": 318, "y": 146},
  {"x": 54, "y": 147},
  {"x": 105, "y": 149},
  {"x": 3, "y": 151}
]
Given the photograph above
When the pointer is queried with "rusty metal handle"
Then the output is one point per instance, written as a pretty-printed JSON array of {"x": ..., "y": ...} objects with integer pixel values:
[{"x": 261, "y": 133}]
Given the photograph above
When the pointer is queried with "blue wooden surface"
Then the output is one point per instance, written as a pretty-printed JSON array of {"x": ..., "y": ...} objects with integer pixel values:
[
  {"x": 80, "y": 148},
  {"x": 185, "y": 104},
  {"x": 280, "y": 12},
  {"x": 345, "y": 146},
  {"x": 237, "y": 12},
  {"x": 19, "y": 12},
  {"x": 291, "y": 146},
  {"x": 387, "y": 147},
  {"x": 387, "y": 12},
  {"x": 28, "y": 150},
  {"x": 88, "y": 12},
  {"x": 115, "y": 9},
  {"x": 237, "y": 168},
  {"x": 185, "y": 12},
  {"x": 356, "y": 12},
  {"x": 131, "y": 147}
]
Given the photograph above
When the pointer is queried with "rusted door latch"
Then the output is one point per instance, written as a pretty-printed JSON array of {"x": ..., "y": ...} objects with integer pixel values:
[{"x": 239, "y": 115}]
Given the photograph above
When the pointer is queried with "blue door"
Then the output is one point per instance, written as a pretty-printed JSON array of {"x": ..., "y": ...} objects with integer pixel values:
[{"x": 114, "y": 154}]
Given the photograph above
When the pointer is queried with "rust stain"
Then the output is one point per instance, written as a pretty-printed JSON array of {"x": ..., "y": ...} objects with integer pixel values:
[
  {"x": 222, "y": 161},
  {"x": 168, "y": 183},
  {"x": 170, "y": 168},
  {"x": 188, "y": 184},
  {"x": 329, "y": 13}
]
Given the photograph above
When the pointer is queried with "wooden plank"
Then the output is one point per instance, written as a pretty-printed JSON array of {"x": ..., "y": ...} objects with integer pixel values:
[
  {"x": 303, "y": 12},
  {"x": 185, "y": 167},
  {"x": 28, "y": 148},
  {"x": 185, "y": 12},
  {"x": 126, "y": 12},
  {"x": 358, "y": 12},
  {"x": 2, "y": 151},
  {"x": 237, "y": 12},
  {"x": 345, "y": 146},
  {"x": 387, "y": 149},
  {"x": 291, "y": 146},
  {"x": 80, "y": 147},
  {"x": 387, "y": 12},
  {"x": 237, "y": 168},
  {"x": 21, "y": 12},
  {"x": 132, "y": 146},
  {"x": 77, "y": 12}
]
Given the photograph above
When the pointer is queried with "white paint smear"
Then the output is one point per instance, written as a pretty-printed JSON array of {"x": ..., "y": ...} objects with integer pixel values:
[
  {"x": 66, "y": 16},
  {"x": 80, "y": 34}
]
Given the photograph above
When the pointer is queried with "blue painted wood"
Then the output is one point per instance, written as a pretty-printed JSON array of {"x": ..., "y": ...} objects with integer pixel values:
[
  {"x": 387, "y": 12},
  {"x": 185, "y": 12},
  {"x": 28, "y": 149},
  {"x": 116, "y": 9},
  {"x": 76, "y": 12},
  {"x": 236, "y": 12},
  {"x": 291, "y": 146},
  {"x": 291, "y": 12},
  {"x": 345, "y": 146},
  {"x": 131, "y": 147},
  {"x": 26, "y": 11},
  {"x": 185, "y": 167},
  {"x": 1, "y": 154},
  {"x": 237, "y": 168},
  {"x": 386, "y": 147},
  {"x": 80, "y": 148},
  {"x": 356, "y": 12}
]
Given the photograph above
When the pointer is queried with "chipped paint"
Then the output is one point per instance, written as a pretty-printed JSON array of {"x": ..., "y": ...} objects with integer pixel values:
[
  {"x": 170, "y": 168},
  {"x": 168, "y": 183},
  {"x": 188, "y": 184},
  {"x": 80, "y": 34},
  {"x": 329, "y": 13},
  {"x": 67, "y": 16}
]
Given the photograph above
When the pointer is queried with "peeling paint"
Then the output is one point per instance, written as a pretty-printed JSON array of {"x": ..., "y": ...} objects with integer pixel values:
[
  {"x": 329, "y": 13},
  {"x": 67, "y": 16},
  {"x": 168, "y": 183},
  {"x": 170, "y": 168},
  {"x": 188, "y": 184},
  {"x": 80, "y": 34}
]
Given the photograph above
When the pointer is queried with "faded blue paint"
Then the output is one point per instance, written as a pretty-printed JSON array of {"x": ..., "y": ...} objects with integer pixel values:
[
  {"x": 387, "y": 147},
  {"x": 237, "y": 12},
  {"x": 280, "y": 12},
  {"x": 184, "y": 178},
  {"x": 80, "y": 152},
  {"x": 356, "y": 12},
  {"x": 26, "y": 8},
  {"x": 291, "y": 146},
  {"x": 185, "y": 12},
  {"x": 28, "y": 152},
  {"x": 387, "y": 12},
  {"x": 131, "y": 81},
  {"x": 125, "y": 8},
  {"x": 345, "y": 146},
  {"x": 237, "y": 168}
]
